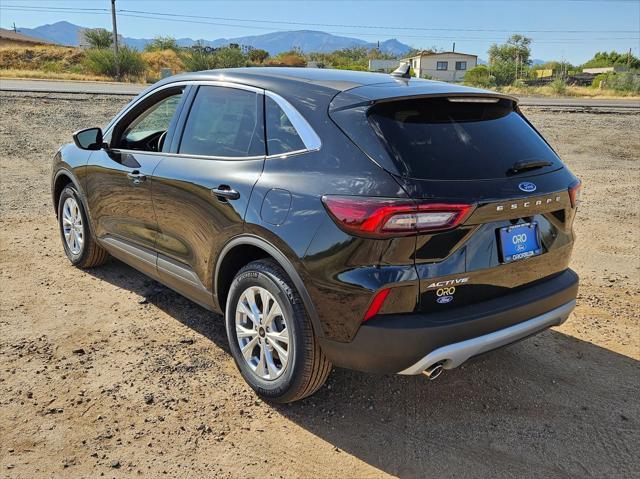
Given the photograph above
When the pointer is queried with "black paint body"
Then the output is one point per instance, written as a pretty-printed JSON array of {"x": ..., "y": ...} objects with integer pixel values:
[{"x": 173, "y": 228}]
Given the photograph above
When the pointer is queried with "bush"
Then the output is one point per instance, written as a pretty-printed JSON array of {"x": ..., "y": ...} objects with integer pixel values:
[
  {"x": 480, "y": 77},
  {"x": 258, "y": 55},
  {"x": 196, "y": 59},
  {"x": 229, "y": 57},
  {"x": 626, "y": 82},
  {"x": 519, "y": 83},
  {"x": 289, "y": 59},
  {"x": 558, "y": 86},
  {"x": 102, "y": 62},
  {"x": 161, "y": 43}
]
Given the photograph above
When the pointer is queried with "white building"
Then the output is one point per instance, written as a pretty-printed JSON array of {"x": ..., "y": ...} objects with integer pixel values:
[{"x": 445, "y": 66}]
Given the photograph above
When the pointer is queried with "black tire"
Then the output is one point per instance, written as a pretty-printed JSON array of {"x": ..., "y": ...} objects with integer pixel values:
[
  {"x": 91, "y": 254},
  {"x": 307, "y": 368}
]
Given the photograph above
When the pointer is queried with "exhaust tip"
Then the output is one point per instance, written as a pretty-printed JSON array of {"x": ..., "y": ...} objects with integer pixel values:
[{"x": 433, "y": 371}]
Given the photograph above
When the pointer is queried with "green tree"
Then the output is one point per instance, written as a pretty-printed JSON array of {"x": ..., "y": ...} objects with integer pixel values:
[
  {"x": 98, "y": 38},
  {"x": 162, "y": 43},
  {"x": 613, "y": 59},
  {"x": 258, "y": 55},
  {"x": 510, "y": 58}
]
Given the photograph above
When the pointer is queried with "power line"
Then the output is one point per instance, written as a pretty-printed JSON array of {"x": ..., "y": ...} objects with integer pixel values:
[
  {"x": 191, "y": 20},
  {"x": 314, "y": 24}
]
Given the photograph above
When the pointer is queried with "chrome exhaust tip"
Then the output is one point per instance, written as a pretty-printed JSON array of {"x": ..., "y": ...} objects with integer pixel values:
[{"x": 433, "y": 371}]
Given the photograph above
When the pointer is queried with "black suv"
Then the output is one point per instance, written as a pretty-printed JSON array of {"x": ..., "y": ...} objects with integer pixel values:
[{"x": 369, "y": 221}]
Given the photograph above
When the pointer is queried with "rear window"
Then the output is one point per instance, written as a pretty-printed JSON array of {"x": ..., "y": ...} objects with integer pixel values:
[{"x": 444, "y": 140}]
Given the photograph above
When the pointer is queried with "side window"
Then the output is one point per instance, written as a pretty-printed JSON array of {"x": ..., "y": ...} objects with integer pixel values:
[
  {"x": 148, "y": 130},
  {"x": 282, "y": 136},
  {"x": 224, "y": 122}
]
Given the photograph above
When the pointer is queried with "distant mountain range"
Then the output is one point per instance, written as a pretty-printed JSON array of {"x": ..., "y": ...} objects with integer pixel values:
[{"x": 308, "y": 41}]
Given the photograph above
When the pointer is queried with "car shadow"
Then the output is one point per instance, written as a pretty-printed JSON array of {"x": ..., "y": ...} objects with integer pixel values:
[{"x": 552, "y": 406}]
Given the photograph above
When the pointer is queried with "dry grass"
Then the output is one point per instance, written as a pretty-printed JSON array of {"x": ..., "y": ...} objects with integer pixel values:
[
  {"x": 157, "y": 60},
  {"x": 38, "y": 74},
  {"x": 570, "y": 91},
  {"x": 46, "y": 58}
]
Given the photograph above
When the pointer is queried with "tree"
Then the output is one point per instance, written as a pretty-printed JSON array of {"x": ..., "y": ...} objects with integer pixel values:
[
  {"x": 611, "y": 59},
  {"x": 516, "y": 49},
  {"x": 258, "y": 55},
  {"x": 510, "y": 58},
  {"x": 162, "y": 43},
  {"x": 98, "y": 38}
]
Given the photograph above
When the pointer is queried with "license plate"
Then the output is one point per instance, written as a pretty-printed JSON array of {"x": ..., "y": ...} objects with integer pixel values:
[{"x": 519, "y": 242}]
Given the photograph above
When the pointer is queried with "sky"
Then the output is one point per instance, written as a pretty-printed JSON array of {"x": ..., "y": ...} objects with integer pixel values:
[{"x": 571, "y": 30}]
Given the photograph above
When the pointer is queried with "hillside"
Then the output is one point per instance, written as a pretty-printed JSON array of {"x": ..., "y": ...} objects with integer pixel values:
[{"x": 66, "y": 33}]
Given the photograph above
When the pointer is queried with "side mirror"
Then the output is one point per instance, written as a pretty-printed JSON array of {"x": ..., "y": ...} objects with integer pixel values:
[{"x": 88, "y": 139}]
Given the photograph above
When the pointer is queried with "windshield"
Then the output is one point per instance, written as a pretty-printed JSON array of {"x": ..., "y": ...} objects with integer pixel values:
[{"x": 459, "y": 140}]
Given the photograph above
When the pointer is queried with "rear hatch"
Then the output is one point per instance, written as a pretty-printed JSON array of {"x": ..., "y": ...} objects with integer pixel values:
[{"x": 475, "y": 148}]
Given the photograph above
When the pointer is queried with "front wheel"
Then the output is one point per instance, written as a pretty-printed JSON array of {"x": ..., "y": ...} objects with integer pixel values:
[
  {"x": 79, "y": 244},
  {"x": 270, "y": 335}
]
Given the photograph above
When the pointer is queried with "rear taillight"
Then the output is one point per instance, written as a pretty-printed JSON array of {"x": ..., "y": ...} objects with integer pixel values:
[
  {"x": 383, "y": 217},
  {"x": 574, "y": 193}
]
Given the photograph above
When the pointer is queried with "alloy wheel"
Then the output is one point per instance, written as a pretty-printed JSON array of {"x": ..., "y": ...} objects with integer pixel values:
[
  {"x": 262, "y": 333},
  {"x": 72, "y": 226}
]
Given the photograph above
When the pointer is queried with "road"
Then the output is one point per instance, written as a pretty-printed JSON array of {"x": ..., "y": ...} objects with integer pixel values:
[{"x": 129, "y": 89}]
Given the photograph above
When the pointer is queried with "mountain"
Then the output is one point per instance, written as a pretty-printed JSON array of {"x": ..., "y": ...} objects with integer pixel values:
[
  {"x": 64, "y": 33},
  {"x": 308, "y": 41}
]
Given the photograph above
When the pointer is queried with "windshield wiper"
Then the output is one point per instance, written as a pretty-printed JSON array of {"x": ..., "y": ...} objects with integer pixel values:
[{"x": 521, "y": 166}]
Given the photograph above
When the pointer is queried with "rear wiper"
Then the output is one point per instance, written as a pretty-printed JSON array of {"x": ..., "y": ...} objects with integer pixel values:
[{"x": 521, "y": 166}]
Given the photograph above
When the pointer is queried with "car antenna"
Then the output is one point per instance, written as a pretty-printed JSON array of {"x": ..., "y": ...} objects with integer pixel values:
[{"x": 402, "y": 71}]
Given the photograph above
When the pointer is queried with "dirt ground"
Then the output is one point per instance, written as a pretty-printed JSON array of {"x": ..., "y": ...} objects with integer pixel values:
[{"x": 107, "y": 373}]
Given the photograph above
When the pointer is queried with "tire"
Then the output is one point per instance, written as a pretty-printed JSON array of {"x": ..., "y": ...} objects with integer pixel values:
[
  {"x": 82, "y": 249},
  {"x": 306, "y": 368}
]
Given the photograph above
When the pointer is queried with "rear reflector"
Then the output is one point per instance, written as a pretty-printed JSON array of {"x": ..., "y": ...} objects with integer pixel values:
[
  {"x": 376, "y": 304},
  {"x": 383, "y": 217},
  {"x": 575, "y": 191}
]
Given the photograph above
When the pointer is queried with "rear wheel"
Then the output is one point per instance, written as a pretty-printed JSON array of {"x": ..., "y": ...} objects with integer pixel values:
[
  {"x": 78, "y": 241},
  {"x": 270, "y": 335}
]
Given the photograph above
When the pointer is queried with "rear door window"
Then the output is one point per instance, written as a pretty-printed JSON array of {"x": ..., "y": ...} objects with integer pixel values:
[
  {"x": 282, "y": 137},
  {"x": 443, "y": 140},
  {"x": 224, "y": 122}
]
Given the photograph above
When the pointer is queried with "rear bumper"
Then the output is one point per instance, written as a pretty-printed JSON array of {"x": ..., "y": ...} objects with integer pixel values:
[{"x": 409, "y": 343}]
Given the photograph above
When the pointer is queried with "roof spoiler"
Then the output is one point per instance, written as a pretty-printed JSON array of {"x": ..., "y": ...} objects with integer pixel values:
[{"x": 402, "y": 71}]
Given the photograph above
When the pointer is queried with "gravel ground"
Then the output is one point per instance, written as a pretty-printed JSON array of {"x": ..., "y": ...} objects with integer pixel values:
[{"x": 107, "y": 373}]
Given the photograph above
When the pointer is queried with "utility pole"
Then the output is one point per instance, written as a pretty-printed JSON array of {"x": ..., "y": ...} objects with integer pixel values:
[
  {"x": 15, "y": 30},
  {"x": 115, "y": 38}
]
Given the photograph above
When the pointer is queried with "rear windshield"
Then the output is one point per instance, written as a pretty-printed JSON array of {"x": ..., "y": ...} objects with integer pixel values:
[{"x": 444, "y": 140}]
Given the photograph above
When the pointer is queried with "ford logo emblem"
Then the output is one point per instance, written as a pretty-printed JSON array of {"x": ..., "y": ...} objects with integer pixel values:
[
  {"x": 527, "y": 187},
  {"x": 444, "y": 299}
]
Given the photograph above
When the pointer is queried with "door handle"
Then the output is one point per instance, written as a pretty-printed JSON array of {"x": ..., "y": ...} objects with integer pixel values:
[
  {"x": 136, "y": 177},
  {"x": 225, "y": 192}
]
